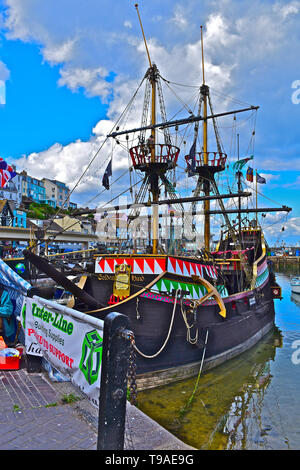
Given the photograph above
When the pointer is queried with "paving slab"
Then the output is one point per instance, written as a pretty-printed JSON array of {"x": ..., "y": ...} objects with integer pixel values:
[{"x": 33, "y": 417}]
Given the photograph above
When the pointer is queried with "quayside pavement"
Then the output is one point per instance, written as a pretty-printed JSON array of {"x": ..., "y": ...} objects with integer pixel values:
[{"x": 33, "y": 416}]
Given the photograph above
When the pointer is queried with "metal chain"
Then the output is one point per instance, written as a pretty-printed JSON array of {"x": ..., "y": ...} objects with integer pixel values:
[{"x": 132, "y": 372}]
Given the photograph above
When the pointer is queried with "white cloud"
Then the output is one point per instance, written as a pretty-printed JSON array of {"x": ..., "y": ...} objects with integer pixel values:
[
  {"x": 17, "y": 27},
  {"x": 278, "y": 227},
  {"x": 91, "y": 80},
  {"x": 278, "y": 164},
  {"x": 68, "y": 162},
  {"x": 59, "y": 53},
  {"x": 178, "y": 18},
  {"x": 287, "y": 10},
  {"x": 4, "y": 72},
  {"x": 240, "y": 38},
  {"x": 269, "y": 177}
]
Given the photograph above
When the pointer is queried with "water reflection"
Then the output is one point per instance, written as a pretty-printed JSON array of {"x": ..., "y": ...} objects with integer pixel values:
[
  {"x": 248, "y": 403},
  {"x": 226, "y": 400}
]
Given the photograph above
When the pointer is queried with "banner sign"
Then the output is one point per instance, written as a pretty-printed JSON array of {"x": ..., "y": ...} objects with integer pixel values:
[{"x": 70, "y": 340}]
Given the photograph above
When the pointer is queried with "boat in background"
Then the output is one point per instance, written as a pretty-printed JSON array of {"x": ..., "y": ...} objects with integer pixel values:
[
  {"x": 295, "y": 284},
  {"x": 295, "y": 298}
]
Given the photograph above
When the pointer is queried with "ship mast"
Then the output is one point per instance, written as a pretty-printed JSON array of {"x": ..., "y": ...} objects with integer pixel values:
[
  {"x": 154, "y": 158},
  {"x": 207, "y": 165},
  {"x": 206, "y": 186},
  {"x": 153, "y": 89},
  {"x": 154, "y": 177}
]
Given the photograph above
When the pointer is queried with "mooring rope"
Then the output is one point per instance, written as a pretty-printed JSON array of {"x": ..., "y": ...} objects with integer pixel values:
[
  {"x": 188, "y": 327},
  {"x": 168, "y": 335},
  {"x": 182, "y": 411}
]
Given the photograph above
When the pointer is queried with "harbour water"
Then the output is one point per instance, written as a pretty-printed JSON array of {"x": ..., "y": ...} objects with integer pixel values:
[{"x": 251, "y": 402}]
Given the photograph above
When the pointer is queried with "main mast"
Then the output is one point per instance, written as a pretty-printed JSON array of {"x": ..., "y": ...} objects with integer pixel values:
[
  {"x": 207, "y": 164},
  {"x": 206, "y": 186},
  {"x": 154, "y": 178},
  {"x": 151, "y": 157},
  {"x": 153, "y": 89}
]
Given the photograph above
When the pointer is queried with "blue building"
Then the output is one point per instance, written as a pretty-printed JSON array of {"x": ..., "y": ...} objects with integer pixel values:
[
  {"x": 72, "y": 205},
  {"x": 33, "y": 188},
  {"x": 19, "y": 218}
]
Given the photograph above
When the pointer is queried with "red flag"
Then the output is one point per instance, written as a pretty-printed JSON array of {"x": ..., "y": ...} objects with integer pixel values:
[{"x": 6, "y": 172}]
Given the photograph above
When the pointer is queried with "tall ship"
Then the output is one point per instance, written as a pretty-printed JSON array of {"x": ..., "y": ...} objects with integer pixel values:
[{"x": 190, "y": 303}]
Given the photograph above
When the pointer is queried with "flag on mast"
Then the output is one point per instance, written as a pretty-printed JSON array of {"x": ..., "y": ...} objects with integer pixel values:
[
  {"x": 260, "y": 179},
  {"x": 6, "y": 173},
  {"x": 191, "y": 161},
  {"x": 106, "y": 176},
  {"x": 249, "y": 174},
  {"x": 241, "y": 163}
]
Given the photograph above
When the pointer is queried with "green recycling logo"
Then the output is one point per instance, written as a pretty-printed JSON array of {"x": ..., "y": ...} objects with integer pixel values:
[
  {"x": 23, "y": 315},
  {"x": 91, "y": 356}
]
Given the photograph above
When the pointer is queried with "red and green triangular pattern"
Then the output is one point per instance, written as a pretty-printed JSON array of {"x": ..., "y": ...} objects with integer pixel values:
[{"x": 138, "y": 265}]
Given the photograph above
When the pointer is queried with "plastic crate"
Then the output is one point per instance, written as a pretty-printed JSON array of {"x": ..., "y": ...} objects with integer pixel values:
[{"x": 9, "y": 363}]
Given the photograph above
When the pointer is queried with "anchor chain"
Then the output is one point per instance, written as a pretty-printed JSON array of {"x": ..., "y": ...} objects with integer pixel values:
[{"x": 132, "y": 371}]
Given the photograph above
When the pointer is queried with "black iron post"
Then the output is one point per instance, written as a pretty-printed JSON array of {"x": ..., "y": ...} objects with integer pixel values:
[{"x": 113, "y": 385}]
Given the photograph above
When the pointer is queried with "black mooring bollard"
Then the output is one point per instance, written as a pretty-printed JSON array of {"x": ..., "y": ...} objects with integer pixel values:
[{"x": 113, "y": 385}]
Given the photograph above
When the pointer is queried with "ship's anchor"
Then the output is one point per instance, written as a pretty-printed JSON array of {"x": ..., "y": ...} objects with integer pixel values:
[
  {"x": 194, "y": 304},
  {"x": 211, "y": 292}
]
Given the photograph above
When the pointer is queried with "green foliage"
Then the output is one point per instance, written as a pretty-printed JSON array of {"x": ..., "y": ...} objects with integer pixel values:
[
  {"x": 42, "y": 211},
  {"x": 71, "y": 398}
]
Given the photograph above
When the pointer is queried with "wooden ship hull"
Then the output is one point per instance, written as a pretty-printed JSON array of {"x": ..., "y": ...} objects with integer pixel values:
[
  {"x": 186, "y": 314},
  {"x": 178, "y": 317}
]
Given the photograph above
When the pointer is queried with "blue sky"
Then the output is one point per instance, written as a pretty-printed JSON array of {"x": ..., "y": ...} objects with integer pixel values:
[
  {"x": 70, "y": 68},
  {"x": 37, "y": 112}
]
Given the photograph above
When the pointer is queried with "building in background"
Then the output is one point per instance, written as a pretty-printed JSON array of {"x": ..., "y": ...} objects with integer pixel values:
[
  {"x": 11, "y": 215},
  {"x": 59, "y": 193},
  {"x": 72, "y": 205},
  {"x": 20, "y": 218},
  {"x": 33, "y": 188},
  {"x": 24, "y": 187},
  {"x": 50, "y": 190},
  {"x": 6, "y": 213},
  {"x": 69, "y": 224}
]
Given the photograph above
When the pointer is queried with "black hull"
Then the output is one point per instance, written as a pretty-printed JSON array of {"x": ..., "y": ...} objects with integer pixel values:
[
  {"x": 173, "y": 305},
  {"x": 249, "y": 316}
]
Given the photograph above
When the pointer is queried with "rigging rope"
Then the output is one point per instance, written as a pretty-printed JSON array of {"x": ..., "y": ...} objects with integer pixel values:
[
  {"x": 88, "y": 167},
  {"x": 96, "y": 154}
]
